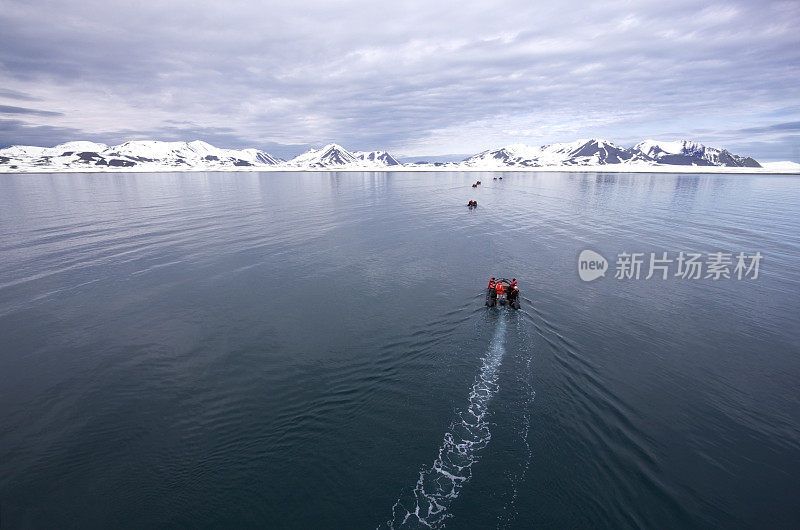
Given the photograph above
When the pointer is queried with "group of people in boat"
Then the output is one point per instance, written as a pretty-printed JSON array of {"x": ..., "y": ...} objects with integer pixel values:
[
  {"x": 472, "y": 204},
  {"x": 497, "y": 289}
]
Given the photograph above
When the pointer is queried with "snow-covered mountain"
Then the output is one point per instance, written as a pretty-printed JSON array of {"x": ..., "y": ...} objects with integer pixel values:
[
  {"x": 596, "y": 152},
  {"x": 334, "y": 156},
  {"x": 181, "y": 153},
  {"x": 30, "y": 151},
  {"x": 378, "y": 157},
  {"x": 510, "y": 156},
  {"x": 591, "y": 152},
  {"x": 686, "y": 153},
  {"x": 146, "y": 155},
  {"x": 150, "y": 155}
]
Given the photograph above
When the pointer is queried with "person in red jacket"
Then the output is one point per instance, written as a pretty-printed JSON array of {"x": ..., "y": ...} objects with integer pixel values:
[{"x": 499, "y": 288}]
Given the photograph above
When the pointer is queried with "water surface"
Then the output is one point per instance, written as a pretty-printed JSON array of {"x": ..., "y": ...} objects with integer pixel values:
[{"x": 309, "y": 350}]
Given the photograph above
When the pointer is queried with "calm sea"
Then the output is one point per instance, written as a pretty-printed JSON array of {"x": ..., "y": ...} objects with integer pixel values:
[{"x": 311, "y": 350}]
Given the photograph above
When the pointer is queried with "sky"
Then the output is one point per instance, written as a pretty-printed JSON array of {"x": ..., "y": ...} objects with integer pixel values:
[{"x": 416, "y": 78}]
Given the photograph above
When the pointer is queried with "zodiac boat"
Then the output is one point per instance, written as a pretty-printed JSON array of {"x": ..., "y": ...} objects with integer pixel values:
[{"x": 492, "y": 298}]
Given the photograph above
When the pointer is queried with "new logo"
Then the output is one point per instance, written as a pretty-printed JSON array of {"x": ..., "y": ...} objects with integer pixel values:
[{"x": 591, "y": 265}]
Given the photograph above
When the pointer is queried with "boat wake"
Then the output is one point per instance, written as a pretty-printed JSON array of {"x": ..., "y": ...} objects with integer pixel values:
[
  {"x": 439, "y": 485},
  {"x": 522, "y": 421}
]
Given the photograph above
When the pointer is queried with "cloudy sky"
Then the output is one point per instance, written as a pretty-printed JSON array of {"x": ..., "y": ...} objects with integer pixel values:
[{"x": 417, "y": 78}]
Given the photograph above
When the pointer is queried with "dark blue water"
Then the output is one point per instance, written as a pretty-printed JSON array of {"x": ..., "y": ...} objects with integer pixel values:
[{"x": 309, "y": 350}]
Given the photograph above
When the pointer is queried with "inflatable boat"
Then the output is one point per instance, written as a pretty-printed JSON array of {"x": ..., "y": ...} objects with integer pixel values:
[{"x": 507, "y": 298}]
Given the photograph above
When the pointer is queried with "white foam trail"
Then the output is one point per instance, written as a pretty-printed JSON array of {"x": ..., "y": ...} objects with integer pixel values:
[
  {"x": 510, "y": 512},
  {"x": 439, "y": 485}
]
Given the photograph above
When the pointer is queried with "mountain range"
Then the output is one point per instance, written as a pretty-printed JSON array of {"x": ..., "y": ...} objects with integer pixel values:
[
  {"x": 595, "y": 152},
  {"x": 152, "y": 155}
]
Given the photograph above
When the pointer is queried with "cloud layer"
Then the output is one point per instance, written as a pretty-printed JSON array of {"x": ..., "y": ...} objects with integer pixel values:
[{"x": 414, "y": 77}]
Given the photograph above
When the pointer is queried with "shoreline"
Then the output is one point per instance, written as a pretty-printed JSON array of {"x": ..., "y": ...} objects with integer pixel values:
[{"x": 695, "y": 170}]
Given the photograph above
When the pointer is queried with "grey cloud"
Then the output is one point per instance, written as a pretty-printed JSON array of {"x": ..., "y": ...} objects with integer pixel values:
[
  {"x": 367, "y": 75},
  {"x": 781, "y": 148},
  {"x": 17, "y": 132},
  {"x": 13, "y": 94},
  {"x": 8, "y": 109},
  {"x": 792, "y": 126}
]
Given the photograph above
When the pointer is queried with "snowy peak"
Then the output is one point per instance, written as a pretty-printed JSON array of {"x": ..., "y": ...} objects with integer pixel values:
[
  {"x": 150, "y": 150},
  {"x": 687, "y": 153},
  {"x": 592, "y": 151},
  {"x": 258, "y": 157},
  {"x": 381, "y": 158},
  {"x": 79, "y": 146},
  {"x": 336, "y": 156},
  {"x": 511, "y": 155},
  {"x": 655, "y": 148},
  {"x": 328, "y": 156}
]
